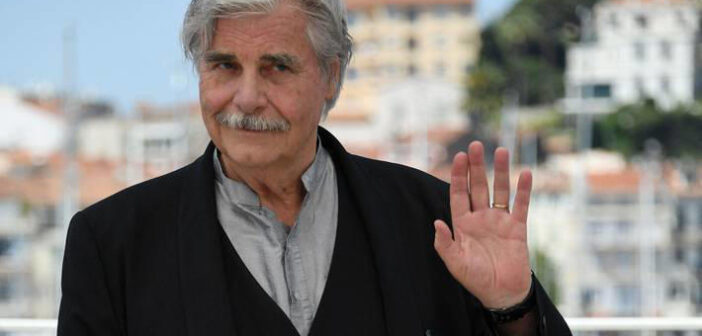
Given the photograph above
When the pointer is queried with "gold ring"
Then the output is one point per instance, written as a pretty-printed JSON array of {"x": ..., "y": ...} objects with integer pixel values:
[{"x": 500, "y": 206}]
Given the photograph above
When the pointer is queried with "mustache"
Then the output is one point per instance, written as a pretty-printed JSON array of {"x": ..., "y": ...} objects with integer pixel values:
[{"x": 249, "y": 122}]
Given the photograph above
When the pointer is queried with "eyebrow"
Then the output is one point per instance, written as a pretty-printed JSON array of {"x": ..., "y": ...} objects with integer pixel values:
[
  {"x": 284, "y": 59},
  {"x": 219, "y": 57}
]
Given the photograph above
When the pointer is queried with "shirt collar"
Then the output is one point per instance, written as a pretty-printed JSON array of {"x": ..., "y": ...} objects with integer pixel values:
[{"x": 240, "y": 193}]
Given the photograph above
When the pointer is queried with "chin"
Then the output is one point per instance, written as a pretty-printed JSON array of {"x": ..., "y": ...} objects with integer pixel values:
[{"x": 249, "y": 156}]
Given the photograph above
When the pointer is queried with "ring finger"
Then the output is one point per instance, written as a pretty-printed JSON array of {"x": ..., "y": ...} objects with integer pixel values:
[{"x": 501, "y": 180}]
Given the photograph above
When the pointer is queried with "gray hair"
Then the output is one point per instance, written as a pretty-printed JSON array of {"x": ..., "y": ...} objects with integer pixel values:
[{"x": 326, "y": 30}]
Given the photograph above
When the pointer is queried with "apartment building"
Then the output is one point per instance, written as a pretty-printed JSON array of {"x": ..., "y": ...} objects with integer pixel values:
[
  {"x": 632, "y": 50},
  {"x": 406, "y": 77},
  {"x": 624, "y": 237}
]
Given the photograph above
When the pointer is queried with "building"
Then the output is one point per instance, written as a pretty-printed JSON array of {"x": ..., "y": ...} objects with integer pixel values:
[
  {"x": 406, "y": 77},
  {"x": 632, "y": 50},
  {"x": 28, "y": 127},
  {"x": 625, "y": 238},
  {"x": 687, "y": 233}
]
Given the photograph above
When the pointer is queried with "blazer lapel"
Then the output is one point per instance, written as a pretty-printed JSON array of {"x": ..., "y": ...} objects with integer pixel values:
[
  {"x": 203, "y": 287},
  {"x": 388, "y": 240}
]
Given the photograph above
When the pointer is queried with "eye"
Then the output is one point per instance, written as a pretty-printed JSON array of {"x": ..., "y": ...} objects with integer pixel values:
[
  {"x": 225, "y": 66},
  {"x": 281, "y": 67}
]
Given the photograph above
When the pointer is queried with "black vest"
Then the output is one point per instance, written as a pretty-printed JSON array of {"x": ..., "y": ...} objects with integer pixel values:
[{"x": 351, "y": 303}]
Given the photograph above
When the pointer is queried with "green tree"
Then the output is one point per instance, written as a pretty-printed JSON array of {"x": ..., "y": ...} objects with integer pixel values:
[
  {"x": 525, "y": 52},
  {"x": 627, "y": 129}
]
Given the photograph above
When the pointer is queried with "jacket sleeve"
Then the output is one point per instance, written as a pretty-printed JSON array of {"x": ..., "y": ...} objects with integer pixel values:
[
  {"x": 85, "y": 307},
  {"x": 549, "y": 320}
]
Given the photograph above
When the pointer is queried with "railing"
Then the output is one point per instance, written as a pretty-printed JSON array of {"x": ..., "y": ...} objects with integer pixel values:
[
  {"x": 635, "y": 324},
  {"x": 576, "y": 324}
]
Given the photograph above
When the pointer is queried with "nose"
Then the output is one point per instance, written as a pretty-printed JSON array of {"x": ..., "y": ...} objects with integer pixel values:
[{"x": 249, "y": 95}]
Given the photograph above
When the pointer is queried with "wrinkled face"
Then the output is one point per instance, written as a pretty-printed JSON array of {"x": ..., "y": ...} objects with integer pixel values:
[{"x": 261, "y": 89}]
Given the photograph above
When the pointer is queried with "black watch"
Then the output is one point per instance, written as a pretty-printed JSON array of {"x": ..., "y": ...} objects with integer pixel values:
[{"x": 513, "y": 313}]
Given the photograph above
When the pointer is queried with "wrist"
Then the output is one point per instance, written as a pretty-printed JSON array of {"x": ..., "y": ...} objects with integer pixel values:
[
  {"x": 514, "y": 312},
  {"x": 501, "y": 299}
]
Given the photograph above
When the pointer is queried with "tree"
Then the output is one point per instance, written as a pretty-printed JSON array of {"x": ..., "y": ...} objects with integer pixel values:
[
  {"x": 627, "y": 129},
  {"x": 525, "y": 52}
]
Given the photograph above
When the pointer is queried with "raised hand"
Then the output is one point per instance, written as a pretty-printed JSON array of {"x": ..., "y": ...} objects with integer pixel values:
[{"x": 488, "y": 252}]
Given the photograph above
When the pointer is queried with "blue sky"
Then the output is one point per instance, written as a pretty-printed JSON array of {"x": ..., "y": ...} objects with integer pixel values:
[{"x": 126, "y": 51}]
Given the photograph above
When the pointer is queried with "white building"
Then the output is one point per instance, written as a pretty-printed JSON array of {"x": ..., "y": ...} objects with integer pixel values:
[
  {"x": 24, "y": 127},
  {"x": 413, "y": 119},
  {"x": 614, "y": 237},
  {"x": 634, "y": 49}
]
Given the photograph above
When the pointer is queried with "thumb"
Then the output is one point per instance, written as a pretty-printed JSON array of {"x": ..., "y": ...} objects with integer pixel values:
[{"x": 443, "y": 243}]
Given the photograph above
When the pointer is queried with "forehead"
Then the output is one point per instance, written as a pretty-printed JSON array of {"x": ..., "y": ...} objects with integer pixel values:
[{"x": 283, "y": 29}]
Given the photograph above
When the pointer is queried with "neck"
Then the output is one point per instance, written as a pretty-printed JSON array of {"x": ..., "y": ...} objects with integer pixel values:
[{"x": 279, "y": 186}]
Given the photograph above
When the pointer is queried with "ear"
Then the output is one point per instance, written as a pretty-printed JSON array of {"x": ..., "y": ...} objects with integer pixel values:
[{"x": 334, "y": 77}]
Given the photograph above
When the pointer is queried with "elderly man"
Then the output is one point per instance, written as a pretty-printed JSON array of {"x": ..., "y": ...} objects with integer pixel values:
[{"x": 277, "y": 230}]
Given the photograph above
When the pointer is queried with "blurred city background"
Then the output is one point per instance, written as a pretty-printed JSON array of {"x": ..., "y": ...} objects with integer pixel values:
[{"x": 601, "y": 99}]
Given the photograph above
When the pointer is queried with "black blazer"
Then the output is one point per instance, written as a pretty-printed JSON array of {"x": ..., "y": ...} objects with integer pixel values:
[{"x": 147, "y": 260}]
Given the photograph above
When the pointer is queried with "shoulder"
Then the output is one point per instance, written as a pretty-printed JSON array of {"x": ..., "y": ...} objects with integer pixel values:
[
  {"x": 404, "y": 180},
  {"x": 146, "y": 194},
  {"x": 150, "y": 205}
]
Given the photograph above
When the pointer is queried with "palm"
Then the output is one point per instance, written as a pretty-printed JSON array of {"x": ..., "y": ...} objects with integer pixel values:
[{"x": 488, "y": 253}]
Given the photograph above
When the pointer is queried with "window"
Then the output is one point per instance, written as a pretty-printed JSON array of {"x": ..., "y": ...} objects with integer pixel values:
[
  {"x": 412, "y": 43},
  {"x": 394, "y": 12},
  {"x": 627, "y": 298},
  {"x": 412, "y": 14},
  {"x": 596, "y": 91},
  {"x": 466, "y": 9},
  {"x": 679, "y": 254},
  {"x": 642, "y": 21},
  {"x": 441, "y": 11},
  {"x": 6, "y": 289},
  {"x": 613, "y": 20},
  {"x": 639, "y": 51},
  {"x": 676, "y": 290},
  {"x": 468, "y": 68},
  {"x": 353, "y": 73},
  {"x": 595, "y": 228},
  {"x": 624, "y": 226},
  {"x": 352, "y": 18},
  {"x": 666, "y": 50},
  {"x": 680, "y": 16},
  {"x": 639, "y": 86},
  {"x": 587, "y": 298},
  {"x": 665, "y": 84},
  {"x": 624, "y": 259},
  {"x": 6, "y": 246}
]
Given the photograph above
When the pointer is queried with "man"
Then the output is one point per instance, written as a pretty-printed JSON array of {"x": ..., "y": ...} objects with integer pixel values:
[{"x": 277, "y": 230}]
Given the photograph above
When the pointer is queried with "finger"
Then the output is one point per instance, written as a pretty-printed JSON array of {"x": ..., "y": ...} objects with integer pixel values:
[
  {"x": 459, "y": 193},
  {"x": 443, "y": 243},
  {"x": 479, "y": 193},
  {"x": 521, "y": 199},
  {"x": 501, "y": 182}
]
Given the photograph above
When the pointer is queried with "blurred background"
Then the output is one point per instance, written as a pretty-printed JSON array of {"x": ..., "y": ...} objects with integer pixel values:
[{"x": 601, "y": 99}]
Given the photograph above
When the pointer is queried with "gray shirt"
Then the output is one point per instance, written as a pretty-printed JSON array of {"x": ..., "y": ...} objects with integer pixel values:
[{"x": 290, "y": 264}]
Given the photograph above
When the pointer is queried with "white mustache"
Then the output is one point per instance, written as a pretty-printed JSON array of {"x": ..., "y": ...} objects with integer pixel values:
[{"x": 254, "y": 123}]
